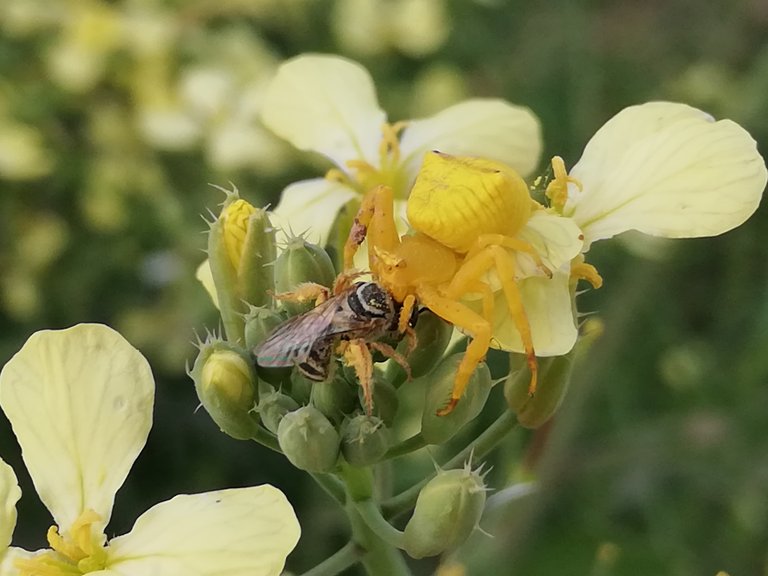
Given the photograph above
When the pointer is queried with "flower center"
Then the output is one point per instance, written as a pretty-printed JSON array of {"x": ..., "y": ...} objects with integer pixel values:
[
  {"x": 77, "y": 552},
  {"x": 364, "y": 176}
]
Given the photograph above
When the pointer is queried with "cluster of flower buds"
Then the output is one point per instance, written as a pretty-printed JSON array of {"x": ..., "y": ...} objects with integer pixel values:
[{"x": 322, "y": 427}]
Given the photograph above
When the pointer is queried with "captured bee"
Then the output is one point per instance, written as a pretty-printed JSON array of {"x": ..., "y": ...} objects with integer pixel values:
[{"x": 349, "y": 323}]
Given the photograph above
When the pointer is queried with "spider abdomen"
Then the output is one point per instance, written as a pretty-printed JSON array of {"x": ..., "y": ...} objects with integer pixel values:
[{"x": 456, "y": 199}]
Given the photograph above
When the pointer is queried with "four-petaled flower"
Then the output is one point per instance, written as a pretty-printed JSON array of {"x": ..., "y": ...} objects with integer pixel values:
[{"x": 80, "y": 403}]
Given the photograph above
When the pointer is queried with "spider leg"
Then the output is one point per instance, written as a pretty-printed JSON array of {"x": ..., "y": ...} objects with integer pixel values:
[
  {"x": 462, "y": 317},
  {"x": 504, "y": 263},
  {"x": 390, "y": 352},
  {"x": 304, "y": 292},
  {"x": 486, "y": 240},
  {"x": 358, "y": 355},
  {"x": 375, "y": 220}
]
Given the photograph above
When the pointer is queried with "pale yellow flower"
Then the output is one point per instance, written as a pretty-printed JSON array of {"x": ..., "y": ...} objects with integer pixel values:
[
  {"x": 661, "y": 168},
  {"x": 328, "y": 104},
  {"x": 80, "y": 403}
]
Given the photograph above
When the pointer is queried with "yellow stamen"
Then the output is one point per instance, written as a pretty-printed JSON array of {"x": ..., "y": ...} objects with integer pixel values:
[
  {"x": 557, "y": 189},
  {"x": 78, "y": 551},
  {"x": 389, "y": 147},
  {"x": 584, "y": 271}
]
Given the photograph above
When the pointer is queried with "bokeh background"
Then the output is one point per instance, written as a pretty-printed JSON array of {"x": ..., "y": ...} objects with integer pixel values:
[{"x": 115, "y": 117}]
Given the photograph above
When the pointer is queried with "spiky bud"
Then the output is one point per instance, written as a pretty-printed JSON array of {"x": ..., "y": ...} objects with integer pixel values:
[
  {"x": 273, "y": 406},
  {"x": 226, "y": 385},
  {"x": 447, "y": 510},
  {"x": 259, "y": 323},
  {"x": 554, "y": 377},
  {"x": 309, "y": 440},
  {"x": 301, "y": 262},
  {"x": 241, "y": 252},
  {"x": 439, "y": 384},
  {"x": 364, "y": 440},
  {"x": 334, "y": 398}
]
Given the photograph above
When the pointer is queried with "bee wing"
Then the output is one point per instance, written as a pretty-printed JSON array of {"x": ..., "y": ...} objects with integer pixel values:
[{"x": 291, "y": 342}]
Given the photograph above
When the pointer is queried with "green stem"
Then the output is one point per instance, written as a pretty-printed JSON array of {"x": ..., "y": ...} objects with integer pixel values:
[
  {"x": 482, "y": 445},
  {"x": 407, "y": 446},
  {"x": 381, "y": 558},
  {"x": 267, "y": 439},
  {"x": 371, "y": 515},
  {"x": 347, "y": 556},
  {"x": 331, "y": 485},
  {"x": 370, "y": 530}
]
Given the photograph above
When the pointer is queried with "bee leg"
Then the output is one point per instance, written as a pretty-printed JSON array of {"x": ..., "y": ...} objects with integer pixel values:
[
  {"x": 305, "y": 292},
  {"x": 390, "y": 352},
  {"x": 358, "y": 355}
]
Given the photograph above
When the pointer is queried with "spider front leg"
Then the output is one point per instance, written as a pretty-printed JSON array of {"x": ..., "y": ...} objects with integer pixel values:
[
  {"x": 375, "y": 220},
  {"x": 464, "y": 318},
  {"x": 473, "y": 268}
]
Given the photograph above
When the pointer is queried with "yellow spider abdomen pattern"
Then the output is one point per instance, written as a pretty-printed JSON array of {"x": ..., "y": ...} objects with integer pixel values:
[{"x": 455, "y": 199}]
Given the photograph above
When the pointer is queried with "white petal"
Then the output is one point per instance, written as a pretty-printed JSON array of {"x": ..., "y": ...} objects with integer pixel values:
[
  {"x": 310, "y": 207},
  {"x": 205, "y": 277},
  {"x": 8, "y": 561},
  {"x": 492, "y": 129},
  {"x": 9, "y": 495},
  {"x": 326, "y": 104},
  {"x": 667, "y": 170},
  {"x": 556, "y": 239},
  {"x": 547, "y": 303},
  {"x": 80, "y": 403},
  {"x": 241, "y": 532}
]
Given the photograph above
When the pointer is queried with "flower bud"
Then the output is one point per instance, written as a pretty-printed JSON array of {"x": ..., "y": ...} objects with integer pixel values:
[
  {"x": 385, "y": 400},
  {"x": 260, "y": 321},
  {"x": 309, "y": 440},
  {"x": 439, "y": 384},
  {"x": 241, "y": 251},
  {"x": 554, "y": 376},
  {"x": 301, "y": 262},
  {"x": 334, "y": 398},
  {"x": 227, "y": 388},
  {"x": 272, "y": 407},
  {"x": 364, "y": 440},
  {"x": 447, "y": 511},
  {"x": 432, "y": 337},
  {"x": 301, "y": 387}
]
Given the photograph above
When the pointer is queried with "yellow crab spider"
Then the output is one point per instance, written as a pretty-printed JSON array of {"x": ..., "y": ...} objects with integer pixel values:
[{"x": 465, "y": 212}]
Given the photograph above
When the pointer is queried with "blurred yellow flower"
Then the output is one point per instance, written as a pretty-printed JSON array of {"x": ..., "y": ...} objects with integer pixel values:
[
  {"x": 328, "y": 104},
  {"x": 80, "y": 403}
]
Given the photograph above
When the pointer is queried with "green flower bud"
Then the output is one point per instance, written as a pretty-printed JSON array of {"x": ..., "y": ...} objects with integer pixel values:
[
  {"x": 241, "y": 251},
  {"x": 364, "y": 440},
  {"x": 432, "y": 337},
  {"x": 334, "y": 398},
  {"x": 259, "y": 323},
  {"x": 301, "y": 387},
  {"x": 385, "y": 400},
  {"x": 309, "y": 440},
  {"x": 554, "y": 377},
  {"x": 447, "y": 511},
  {"x": 226, "y": 385},
  {"x": 439, "y": 383},
  {"x": 272, "y": 407},
  {"x": 300, "y": 262}
]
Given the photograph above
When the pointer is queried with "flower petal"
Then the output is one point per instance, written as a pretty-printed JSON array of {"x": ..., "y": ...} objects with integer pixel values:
[
  {"x": 8, "y": 561},
  {"x": 240, "y": 532},
  {"x": 9, "y": 495},
  {"x": 668, "y": 170},
  {"x": 556, "y": 239},
  {"x": 311, "y": 206},
  {"x": 492, "y": 129},
  {"x": 205, "y": 277},
  {"x": 547, "y": 303},
  {"x": 326, "y": 104},
  {"x": 80, "y": 403}
]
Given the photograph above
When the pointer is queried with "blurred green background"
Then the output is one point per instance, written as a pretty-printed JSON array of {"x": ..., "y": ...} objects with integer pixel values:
[{"x": 115, "y": 116}]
